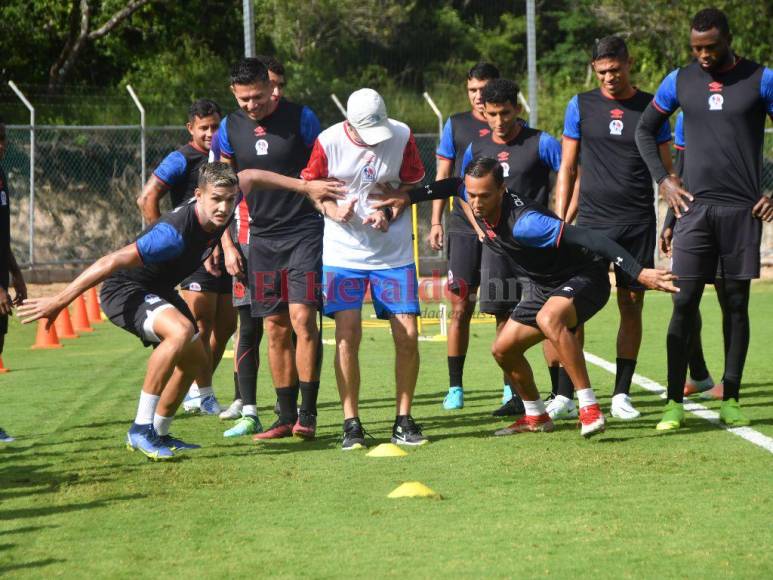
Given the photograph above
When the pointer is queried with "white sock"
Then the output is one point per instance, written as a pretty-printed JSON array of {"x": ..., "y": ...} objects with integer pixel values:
[
  {"x": 534, "y": 408},
  {"x": 161, "y": 424},
  {"x": 206, "y": 391},
  {"x": 563, "y": 400},
  {"x": 146, "y": 409},
  {"x": 250, "y": 410},
  {"x": 194, "y": 390},
  {"x": 586, "y": 397}
]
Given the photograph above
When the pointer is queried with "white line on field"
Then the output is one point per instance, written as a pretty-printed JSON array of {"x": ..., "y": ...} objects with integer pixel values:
[{"x": 747, "y": 433}]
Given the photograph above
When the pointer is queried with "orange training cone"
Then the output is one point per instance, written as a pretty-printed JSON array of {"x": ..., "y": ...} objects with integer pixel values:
[
  {"x": 92, "y": 306},
  {"x": 80, "y": 318},
  {"x": 46, "y": 338},
  {"x": 2, "y": 366},
  {"x": 64, "y": 325}
]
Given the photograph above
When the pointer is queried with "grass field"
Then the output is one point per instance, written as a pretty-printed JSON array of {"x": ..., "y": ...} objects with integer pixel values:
[{"x": 630, "y": 503}]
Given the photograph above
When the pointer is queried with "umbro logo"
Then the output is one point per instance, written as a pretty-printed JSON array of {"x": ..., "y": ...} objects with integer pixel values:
[
  {"x": 259, "y": 131},
  {"x": 616, "y": 113},
  {"x": 503, "y": 155},
  {"x": 715, "y": 87},
  {"x": 483, "y": 132},
  {"x": 567, "y": 289}
]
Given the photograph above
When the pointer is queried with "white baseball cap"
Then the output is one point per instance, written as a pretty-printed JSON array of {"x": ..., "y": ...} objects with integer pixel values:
[{"x": 366, "y": 112}]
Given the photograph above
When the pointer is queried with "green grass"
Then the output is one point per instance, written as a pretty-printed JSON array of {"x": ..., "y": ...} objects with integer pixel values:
[{"x": 631, "y": 503}]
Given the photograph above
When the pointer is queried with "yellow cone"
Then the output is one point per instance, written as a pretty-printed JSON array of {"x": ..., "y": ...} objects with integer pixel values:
[
  {"x": 414, "y": 489},
  {"x": 386, "y": 450}
]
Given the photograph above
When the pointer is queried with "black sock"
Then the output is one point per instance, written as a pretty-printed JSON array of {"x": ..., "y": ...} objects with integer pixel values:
[
  {"x": 625, "y": 369},
  {"x": 288, "y": 403},
  {"x": 248, "y": 355},
  {"x": 236, "y": 386},
  {"x": 309, "y": 391},
  {"x": 731, "y": 389},
  {"x": 455, "y": 370},
  {"x": 697, "y": 365},
  {"x": 734, "y": 299},
  {"x": 679, "y": 341},
  {"x": 402, "y": 420},
  {"x": 565, "y": 386},
  {"x": 553, "y": 379}
]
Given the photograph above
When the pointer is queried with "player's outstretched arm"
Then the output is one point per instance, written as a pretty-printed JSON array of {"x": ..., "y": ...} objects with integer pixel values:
[
  {"x": 49, "y": 308},
  {"x": 399, "y": 200},
  {"x": 316, "y": 190}
]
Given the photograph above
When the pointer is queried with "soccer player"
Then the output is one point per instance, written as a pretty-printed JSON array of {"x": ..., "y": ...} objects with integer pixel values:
[
  {"x": 528, "y": 157},
  {"x": 365, "y": 247},
  {"x": 139, "y": 296},
  {"x": 616, "y": 195},
  {"x": 208, "y": 295},
  {"x": 464, "y": 246},
  {"x": 717, "y": 235},
  {"x": 9, "y": 268},
  {"x": 568, "y": 283},
  {"x": 285, "y": 249}
]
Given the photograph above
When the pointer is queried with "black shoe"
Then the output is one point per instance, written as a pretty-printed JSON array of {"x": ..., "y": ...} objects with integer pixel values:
[
  {"x": 408, "y": 434},
  {"x": 513, "y": 407},
  {"x": 354, "y": 435}
]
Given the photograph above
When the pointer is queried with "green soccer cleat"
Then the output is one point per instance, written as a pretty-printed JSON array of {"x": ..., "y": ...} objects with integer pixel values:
[
  {"x": 673, "y": 418},
  {"x": 730, "y": 414},
  {"x": 247, "y": 425}
]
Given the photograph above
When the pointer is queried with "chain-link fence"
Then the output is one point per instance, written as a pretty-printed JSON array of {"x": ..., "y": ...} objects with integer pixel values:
[{"x": 87, "y": 179}]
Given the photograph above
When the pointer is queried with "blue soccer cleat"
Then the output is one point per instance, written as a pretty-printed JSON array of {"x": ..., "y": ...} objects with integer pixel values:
[
  {"x": 144, "y": 438},
  {"x": 210, "y": 406},
  {"x": 454, "y": 399},
  {"x": 5, "y": 437},
  {"x": 176, "y": 444}
]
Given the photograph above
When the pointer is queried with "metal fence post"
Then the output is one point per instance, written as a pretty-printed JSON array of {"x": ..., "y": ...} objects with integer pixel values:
[
  {"x": 142, "y": 140},
  {"x": 437, "y": 112},
  {"x": 531, "y": 59},
  {"x": 338, "y": 104},
  {"x": 31, "y": 109}
]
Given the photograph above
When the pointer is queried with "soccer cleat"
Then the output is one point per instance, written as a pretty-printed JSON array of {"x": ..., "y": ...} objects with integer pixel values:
[
  {"x": 408, "y": 434},
  {"x": 246, "y": 425},
  {"x": 210, "y": 406},
  {"x": 306, "y": 426},
  {"x": 5, "y": 437},
  {"x": 144, "y": 438},
  {"x": 730, "y": 414},
  {"x": 507, "y": 394},
  {"x": 454, "y": 399},
  {"x": 278, "y": 430},
  {"x": 622, "y": 408},
  {"x": 234, "y": 411},
  {"x": 191, "y": 404},
  {"x": 176, "y": 444},
  {"x": 592, "y": 421},
  {"x": 691, "y": 386},
  {"x": 528, "y": 424},
  {"x": 354, "y": 435},
  {"x": 513, "y": 407},
  {"x": 717, "y": 392},
  {"x": 561, "y": 408},
  {"x": 673, "y": 417}
]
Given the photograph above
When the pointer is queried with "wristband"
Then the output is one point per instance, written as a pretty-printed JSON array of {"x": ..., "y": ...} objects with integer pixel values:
[{"x": 433, "y": 225}]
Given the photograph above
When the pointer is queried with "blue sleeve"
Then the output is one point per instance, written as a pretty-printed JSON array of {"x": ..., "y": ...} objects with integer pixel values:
[
  {"x": 466, "y": 159},
  {"x": 550, "y": 151},
  {"x": 572, "y": 119},
  {"x": 664, "y": 135},
  {"x": 446, "y": 148},
  {"x": 310, "y": 126},
  {"x": 665, "y": 99},
  {"x": 679, "y": 131},
  {"x": 766, "y": 90},
  {"x": 159, "y": 244},
  {"x": 214, "y": 150},
  {"x": 537, "y": 230},
  {"x": 172, "y": 169},
  {"x": 222, "y": 139}
]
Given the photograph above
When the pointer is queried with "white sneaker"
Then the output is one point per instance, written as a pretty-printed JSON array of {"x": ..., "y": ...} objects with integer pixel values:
[
  {"x": 561, "y": 408},
  {"x": 234, "y": 411},
  {"x": 622, "y": 408},
  {"x": 192, "y": 404}
]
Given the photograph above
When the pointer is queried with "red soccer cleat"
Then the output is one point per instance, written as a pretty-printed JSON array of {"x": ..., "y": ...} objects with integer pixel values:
[
  {"x": 276, "y": 431},
  {"x": 306, "y": 426},
  {"x": 592, "y": 420},
  {"x": 528, "y": 424}
]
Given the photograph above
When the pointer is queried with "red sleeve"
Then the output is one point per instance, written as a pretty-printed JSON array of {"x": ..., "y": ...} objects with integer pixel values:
[
  {"x": 316, "y": 168},
  {"x": 412, "y": 169}
]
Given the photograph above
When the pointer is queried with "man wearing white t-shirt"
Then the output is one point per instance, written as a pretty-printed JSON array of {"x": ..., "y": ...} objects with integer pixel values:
[{"x": 362, "y": 247}]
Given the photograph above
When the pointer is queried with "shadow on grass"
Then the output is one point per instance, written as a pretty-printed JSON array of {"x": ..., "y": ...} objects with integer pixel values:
[
  {"x": 28, "y": 565},
  {"x": 25, "y": 530},
  {"x": 36, "y": 512}
]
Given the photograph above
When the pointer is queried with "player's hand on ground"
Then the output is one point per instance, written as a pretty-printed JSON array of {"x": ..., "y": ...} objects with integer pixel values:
[
  {"x": 321, "y": 189},
  {"x": 665, "y": 241},
  {"x": 763, "y": 209},
  {"x": 388, "y": 196},
  {"x": 38, "y": 308},
  {"x": 671, "y": 191},
  {"x": 656, "y": 279},
  {"x": 377, "y": 220},
  {"x": 234, "y": 262},
  {"x": 435, "y": 237},
  {"x": 5, "y": 302}
]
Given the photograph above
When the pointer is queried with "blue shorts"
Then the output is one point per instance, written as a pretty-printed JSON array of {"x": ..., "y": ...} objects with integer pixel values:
[{"x": 394, "y": 290}]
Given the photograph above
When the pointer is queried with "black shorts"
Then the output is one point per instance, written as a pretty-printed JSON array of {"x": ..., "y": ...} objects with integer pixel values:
[
  {"x": 500, "y": 288},
  {"x": 203, "y": 281},
  {"x": 284, "y": 271},
  {"x": 589, "y": 290},
  {"x": 717, "y": 241},
  {"x": 134, "y": 309},
  {"x": 3, "y": 324},
  {"x": 638, "y": 240},
  {"x": 464, "y": 255}
]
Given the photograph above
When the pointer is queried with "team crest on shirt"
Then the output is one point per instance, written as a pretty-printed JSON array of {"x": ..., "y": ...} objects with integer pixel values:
[
  {"x": 194, "y": 287},
  {"x": 503, "y": 157},
  {"x": 715, "y": 102},
  {"x": 615, "y": 127},
  {"x": 259, "y": 131},
  {"x": 369, "y": 174},
  {"x": 261, "y": 147},
  {"x": 152, "y": 299}
]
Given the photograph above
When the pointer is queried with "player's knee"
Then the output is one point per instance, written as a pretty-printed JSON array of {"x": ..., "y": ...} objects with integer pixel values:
[
  {"x": 407, "y": 340},
  {"x": 500, "y": 352},
  {"x": 550, "y": 323},
  {"x": 181, "y": 334},
  {"x": 348, "y": 338}
]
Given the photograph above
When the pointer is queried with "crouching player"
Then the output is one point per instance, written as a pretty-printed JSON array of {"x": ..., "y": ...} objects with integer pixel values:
[
  {"x": 139, "y": 295},
  {"x": 567, "y": 268}
]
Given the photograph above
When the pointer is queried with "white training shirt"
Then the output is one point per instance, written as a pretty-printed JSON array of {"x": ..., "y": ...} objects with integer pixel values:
[{"x": 353, "y": 244}]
